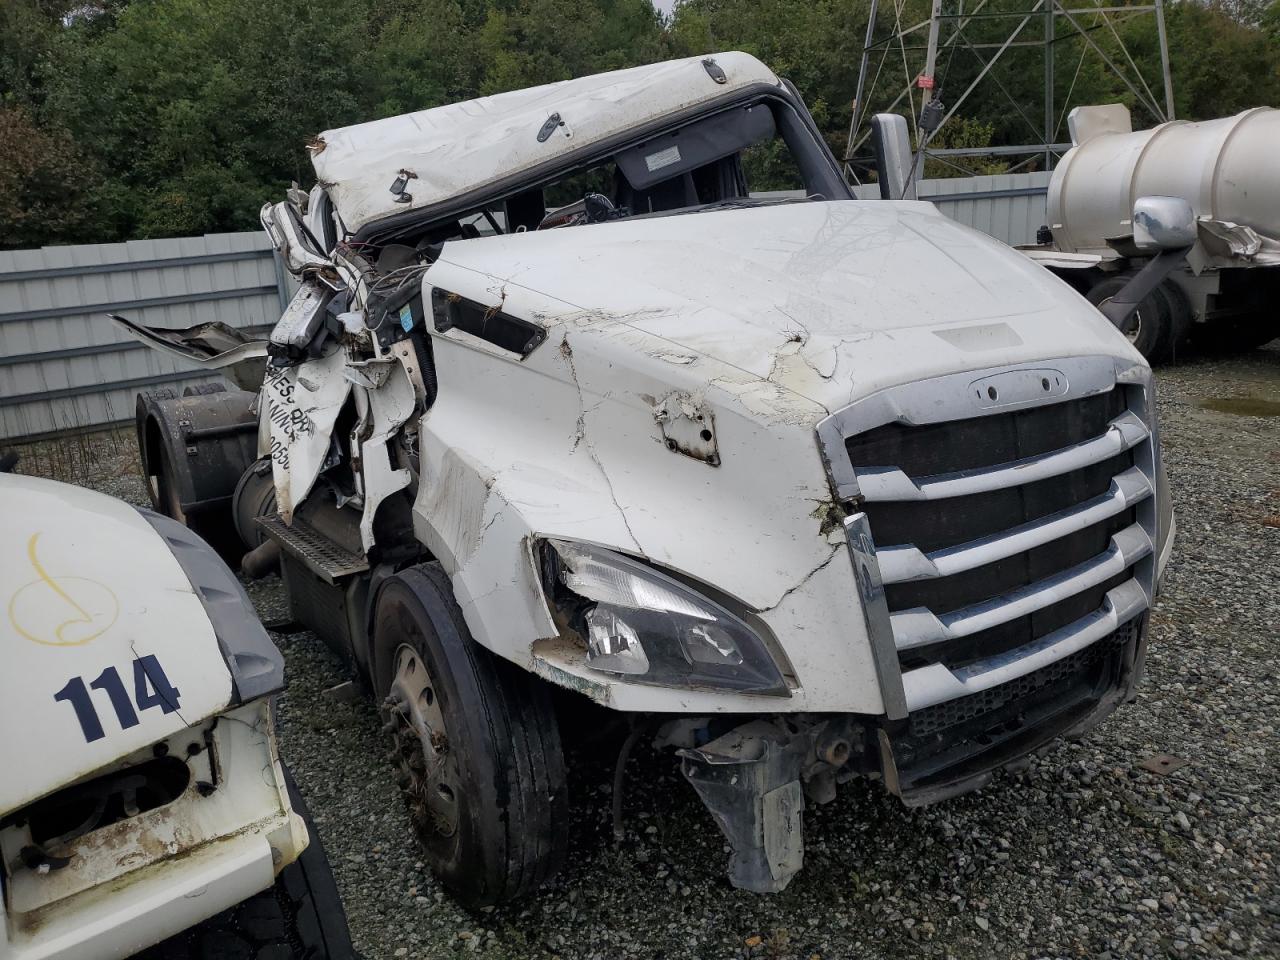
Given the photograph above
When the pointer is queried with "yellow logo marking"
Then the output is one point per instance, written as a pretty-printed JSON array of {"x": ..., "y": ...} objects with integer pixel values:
[{"x": 61, "y": 611}]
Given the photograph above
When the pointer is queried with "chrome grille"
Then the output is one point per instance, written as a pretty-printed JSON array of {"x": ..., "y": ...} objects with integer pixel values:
[{"x": 1003, "y": 522}]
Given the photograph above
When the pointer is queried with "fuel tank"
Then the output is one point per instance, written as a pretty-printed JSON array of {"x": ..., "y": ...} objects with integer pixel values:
[{"x": 1224, "y": 168}]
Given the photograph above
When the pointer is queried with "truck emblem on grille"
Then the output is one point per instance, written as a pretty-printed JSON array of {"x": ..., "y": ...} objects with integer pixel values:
[{"x": 1019, "y": 386}]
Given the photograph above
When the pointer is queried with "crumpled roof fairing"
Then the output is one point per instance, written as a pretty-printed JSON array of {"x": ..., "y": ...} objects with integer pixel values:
[{"x": 455, "y": 149}]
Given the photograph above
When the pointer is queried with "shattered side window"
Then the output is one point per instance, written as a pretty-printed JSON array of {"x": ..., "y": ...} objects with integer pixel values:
[
  {"x": 598, "y": 179},
  {"x": 769, "y": 166},
  {"x": 488, "y": 222}
]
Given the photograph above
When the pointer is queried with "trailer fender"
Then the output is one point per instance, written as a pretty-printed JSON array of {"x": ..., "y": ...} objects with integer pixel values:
[{"x": 194, "y": 449}]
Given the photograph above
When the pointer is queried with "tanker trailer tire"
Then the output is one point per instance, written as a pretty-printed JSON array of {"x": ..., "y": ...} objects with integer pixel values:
[
  {"x": 475, "y": 743},
  {"x": 1180, "y": 319},
  {"x": 1150, "y": 327}
]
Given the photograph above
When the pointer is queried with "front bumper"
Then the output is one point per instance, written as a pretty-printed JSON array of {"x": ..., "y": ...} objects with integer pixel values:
[
  {"x": 755, "y": 778},
  {"x": 120, "y": 887}
]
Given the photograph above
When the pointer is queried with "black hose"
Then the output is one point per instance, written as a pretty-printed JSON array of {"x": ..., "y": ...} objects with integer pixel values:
[{"x": 619, "y": 775}]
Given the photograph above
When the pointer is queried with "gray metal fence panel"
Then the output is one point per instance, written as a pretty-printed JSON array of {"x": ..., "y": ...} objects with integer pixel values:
[
  {"x": 1007, "y": 206},
  {"x": 64, "y": 365}
]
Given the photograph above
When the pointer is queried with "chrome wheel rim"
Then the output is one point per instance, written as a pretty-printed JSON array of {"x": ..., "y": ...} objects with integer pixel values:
[
  {"x": 429, "y": 767},
  {"x": 1132, "y": 327}
]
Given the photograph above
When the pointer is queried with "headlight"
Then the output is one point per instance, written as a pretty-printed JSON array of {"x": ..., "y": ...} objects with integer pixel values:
[{"x": 651, "y": 628}]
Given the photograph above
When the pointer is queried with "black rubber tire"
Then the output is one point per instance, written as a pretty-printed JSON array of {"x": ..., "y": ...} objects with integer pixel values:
[
  {"x": 1154, "y": 336},
  {"x": 1180, "y": 320},
  {"x": 512, "y": 829},
  {"x": 1241, "y": 334},
  {"x": 299, "y": 918}
]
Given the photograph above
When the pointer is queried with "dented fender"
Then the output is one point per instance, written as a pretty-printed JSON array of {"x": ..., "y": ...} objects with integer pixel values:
[{"x": 590, "y": 461}]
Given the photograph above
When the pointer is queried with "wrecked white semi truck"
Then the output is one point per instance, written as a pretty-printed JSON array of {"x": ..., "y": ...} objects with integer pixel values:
[
  {"x": 1223, "y": 292},
  {"x": 813, "y": 488}
]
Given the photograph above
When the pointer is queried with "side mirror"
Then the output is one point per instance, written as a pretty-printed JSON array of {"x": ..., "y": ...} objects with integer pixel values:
[
  {"x": 291, "y": 238},
  {"x": 1165, "y": 226},
  {"x": 894, "y": 161},
  {"x": 1163, "y": 223}
]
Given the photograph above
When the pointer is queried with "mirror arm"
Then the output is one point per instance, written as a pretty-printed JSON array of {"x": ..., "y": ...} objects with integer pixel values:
[{"x": 1120, "y": 307}]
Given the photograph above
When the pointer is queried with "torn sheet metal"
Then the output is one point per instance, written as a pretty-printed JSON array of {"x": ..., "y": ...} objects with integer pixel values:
[
  {"x": 750, "y": 781},
  {"x": 1235, "y": 241},
  {"x": 390, "y": 405},
  {"x": 301, "y": 405},
  {"x": 210, "y": 346},
  {"x": 688, "y": 426},
  {"x": 283, "y": 224}
]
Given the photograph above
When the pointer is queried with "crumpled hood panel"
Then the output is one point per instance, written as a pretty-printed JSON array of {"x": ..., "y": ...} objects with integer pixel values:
[{"x": 841, "y": 292}]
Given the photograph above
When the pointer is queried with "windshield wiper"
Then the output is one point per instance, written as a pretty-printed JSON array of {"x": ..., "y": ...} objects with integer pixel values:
[{"x": 730, "y": 203}]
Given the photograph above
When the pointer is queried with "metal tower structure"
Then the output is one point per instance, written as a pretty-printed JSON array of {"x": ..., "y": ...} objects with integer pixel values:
[{"x": 896, "y": 50}]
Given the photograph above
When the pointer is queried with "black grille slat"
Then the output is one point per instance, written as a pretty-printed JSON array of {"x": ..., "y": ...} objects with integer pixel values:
[
  {"x": 946, "y": 594},
  {"x": 1014, "y": 633},
  {"x": 937, "y": 524},
  {"x": 981, "y": 442}
]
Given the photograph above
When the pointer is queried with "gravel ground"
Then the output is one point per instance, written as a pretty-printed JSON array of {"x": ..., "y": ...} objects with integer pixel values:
[{"x": 1084, "y": 854}]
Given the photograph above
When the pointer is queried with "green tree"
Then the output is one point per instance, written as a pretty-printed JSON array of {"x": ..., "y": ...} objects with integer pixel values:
[
  {"x": 423, "y": 53},
  {"x": 198, "y": 109},
  {"x": 128, "y": 118},
  {"x": 43, "y": 196},
  {"x": 530, "y": 42},
  {"x": 816, "y": 44},
  {"x": 1220, "y": 66}
]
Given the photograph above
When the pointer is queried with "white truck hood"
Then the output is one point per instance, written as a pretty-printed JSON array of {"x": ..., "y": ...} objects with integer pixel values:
[
  {"x": 89, "y": 587},
  {"x": 825, "y": 298}
]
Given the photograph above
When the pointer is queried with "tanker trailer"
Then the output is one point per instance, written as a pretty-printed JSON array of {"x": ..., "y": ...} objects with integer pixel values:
[{"x": 1224, "y": 295}]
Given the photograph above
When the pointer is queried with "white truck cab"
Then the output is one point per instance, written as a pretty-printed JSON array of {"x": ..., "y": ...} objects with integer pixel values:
[{"x": 809, "y": 487}]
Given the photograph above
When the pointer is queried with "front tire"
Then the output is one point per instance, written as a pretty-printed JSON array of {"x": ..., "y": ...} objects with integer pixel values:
[{"x": 475, "y": 742}]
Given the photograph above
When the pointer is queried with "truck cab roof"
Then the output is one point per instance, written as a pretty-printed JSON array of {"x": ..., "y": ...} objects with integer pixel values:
[{"x": 395, "y": 165}]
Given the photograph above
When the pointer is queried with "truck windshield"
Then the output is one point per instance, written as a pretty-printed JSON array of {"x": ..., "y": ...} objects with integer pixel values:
[
  {"x": 733, "y": 157},
  {"x": 746, "y": 154}
]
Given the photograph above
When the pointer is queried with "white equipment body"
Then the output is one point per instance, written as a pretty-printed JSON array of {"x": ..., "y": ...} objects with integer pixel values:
[
  {"x": 1225, "y": 168},
  {"x": 113, "y": 664}
]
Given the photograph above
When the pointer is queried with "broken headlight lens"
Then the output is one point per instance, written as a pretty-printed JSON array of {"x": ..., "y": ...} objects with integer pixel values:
[{"x": 649, "y": 627}]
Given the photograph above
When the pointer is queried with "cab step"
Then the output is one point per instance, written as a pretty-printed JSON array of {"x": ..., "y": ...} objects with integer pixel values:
[{"x": 322, "y": 556}]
